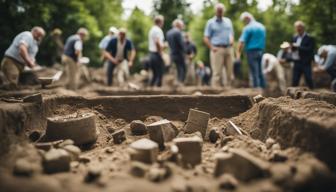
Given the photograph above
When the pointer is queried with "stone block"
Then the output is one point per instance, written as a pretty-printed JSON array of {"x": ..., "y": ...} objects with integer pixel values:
[
  {"x": 190, "y": 149},
  {"x": 162, "y": 131},
  {"x": 144, "y": 150},
  {"x": 119, "y": 136},
  {"x": 241, "y": 165},
  {"x": 56, "y": 160},
  {"x": 138, "y": 128},
  {"x": 35, "y": 98},
  {"x": 197, "y": 121}
]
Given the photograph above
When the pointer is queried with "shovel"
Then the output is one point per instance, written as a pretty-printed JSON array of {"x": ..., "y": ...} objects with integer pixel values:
[{"x": 48, "y": 80}]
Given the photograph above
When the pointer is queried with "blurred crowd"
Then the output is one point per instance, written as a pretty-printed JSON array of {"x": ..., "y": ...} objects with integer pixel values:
[{"x": 175, "y": 51}]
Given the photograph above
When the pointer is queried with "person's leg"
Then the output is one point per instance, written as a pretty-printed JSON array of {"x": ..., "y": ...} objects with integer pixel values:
[
  {"x": 228, "y": 63},
  {"x": 307, "y": 70},
  {"x": 297, "y": 71},
  {"x": 217, "y": 66},
  {"x": 110, "y": 69},
  {"x": 160, "y": 69},
  {"x": 261, "y": 77},
  {"x": 280, "y": 74},
  {"x": 10, "y": 71},
  {"x": 253, "y": 66}
]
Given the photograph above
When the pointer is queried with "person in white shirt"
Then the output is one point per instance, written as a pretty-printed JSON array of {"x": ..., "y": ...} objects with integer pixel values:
[
  {"x": 21, "y": 53},
  {"x": 271, "y": 65},
  {"x": 156, "y": 45},
  {"x": 326, "y": 60}
]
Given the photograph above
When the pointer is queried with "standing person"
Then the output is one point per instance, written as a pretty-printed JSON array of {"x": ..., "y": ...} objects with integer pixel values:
[
  {"x": 21, "y": 53},
  {"x": 219, "y": 37},
  {"x": 327, "y": 62},
  {"x": 285, "y": 59},
  {"x": 113, "y": 31},
  {"x": 72, "y": 53},
  {"x": 271, "y": 66},
  {"x": 156, "y": 45},
  {"x": 58, "y": 45},
  {"x": 253, "y": 40},
  {"x": 190, "y": 51},
  {"x": 303, "y": 55},
  {"x": 176, "y": 45},
  {"x": 120, "y": 53}
]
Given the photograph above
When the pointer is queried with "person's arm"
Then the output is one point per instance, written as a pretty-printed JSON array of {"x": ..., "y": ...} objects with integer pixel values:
[
  {"x": 240, "y": 49},
  {"x": 158, "y": 44},
  {"x": 131, "y": 58},
  {"x": 207, "y": 36},
  {"x": 78, "y": 49},
  {"x": 25, "y": 56},
  {"x": 180, "y": 41},
  {"x": 107, "y": 53}
]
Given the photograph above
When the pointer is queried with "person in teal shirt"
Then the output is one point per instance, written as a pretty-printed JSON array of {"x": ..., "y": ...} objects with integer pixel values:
[{"x": 253, "y": 40}]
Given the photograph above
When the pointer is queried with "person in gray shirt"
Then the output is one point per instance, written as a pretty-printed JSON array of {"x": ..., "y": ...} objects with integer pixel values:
[
  {"x": 326, "y": 58},
  {"x": 21, "y": 53},
  {"x": 176, "y": 45}
]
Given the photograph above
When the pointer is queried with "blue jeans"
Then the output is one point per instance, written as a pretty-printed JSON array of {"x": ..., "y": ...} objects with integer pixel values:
[{"x": 254, "y": 60}]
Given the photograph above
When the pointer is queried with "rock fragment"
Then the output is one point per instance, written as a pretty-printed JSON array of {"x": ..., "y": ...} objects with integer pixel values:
[
  {"x": 56, "y": 160},
  {"x": 241, "y": 165},
  {"x": 232, "y": 129},
  {"x": 190, "y": 150},
  {"x": 161, "y": 132},
  {"x": 35, "y": 98},
  {"x": 23, "y": 168},
  {"x": 197, "y": 121},
  {"x": 93, "y": 174},
  {"x": 213, "y": 135},
  {"x": 144, "y": 150},
  {"x": 119, "y": 136},
  {"x": 258, "y": 98},
  {"x": 138, "y": 128},
  {"x": 138, "y": 169},
  {"x": 73, "y": 150}
]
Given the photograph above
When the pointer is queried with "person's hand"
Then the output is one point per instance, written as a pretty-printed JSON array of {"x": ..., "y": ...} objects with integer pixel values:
[
  {"x": 214, "y": 49},
  {"x": 130, "y": 63},
  {"x": 114, "y": 61}
]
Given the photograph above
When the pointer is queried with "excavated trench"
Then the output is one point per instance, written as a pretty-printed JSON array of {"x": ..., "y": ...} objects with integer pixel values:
[{"x": 299, "y": 157}]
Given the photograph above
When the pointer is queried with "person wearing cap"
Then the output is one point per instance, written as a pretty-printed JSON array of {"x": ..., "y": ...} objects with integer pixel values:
[
  {"x": 253, "y": 41},
  {"x": 284, "y": 56},
  {"x": 326, "y": 58},
  {"x": 72, "y": 53},
  {"x": 176, "y": 45},
  {"x": 120, "y": 54},
  {"x": 156, "y": 47},
  {"x": 303, "y": 55},
  {"x": 21, "y": 53},
  {"x": 219, "y": 37},
  {"x": 113, "y": 32},
  {"x": 271, "y": 66},
  {"x": 58, "y": 46}
]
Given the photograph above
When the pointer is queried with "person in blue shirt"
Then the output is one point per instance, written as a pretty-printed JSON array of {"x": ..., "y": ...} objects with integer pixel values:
[
  {"x": 218, "y": 37},
  {"x": 252, "y": 40}
]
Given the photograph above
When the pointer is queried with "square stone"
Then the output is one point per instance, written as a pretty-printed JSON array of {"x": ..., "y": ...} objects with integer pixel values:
[
  {"x": 190, "y": 149},
  {"x": 197, "y": 121},
  {"x": 144, "y": 150},
  {"x": 161, "y": 132}
]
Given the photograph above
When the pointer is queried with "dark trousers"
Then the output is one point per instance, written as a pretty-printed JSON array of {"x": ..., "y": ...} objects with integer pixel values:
[
  {"x": 305, "y": 69},
  {"x": 157, "y": 65},
  {"x": 179, "y": 61},
  {"x": 254, "y": 59},
  {"x": 332, "y": 72},
  {"x": 110, "y": 69}
]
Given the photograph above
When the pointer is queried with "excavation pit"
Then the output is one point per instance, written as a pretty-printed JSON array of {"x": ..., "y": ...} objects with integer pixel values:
[{"x": 295, "y": 125}]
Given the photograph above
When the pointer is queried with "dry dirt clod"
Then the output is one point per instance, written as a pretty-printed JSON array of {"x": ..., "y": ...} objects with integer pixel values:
[
  {"x": 84, "y": 159},
  {"x": 56, "y": 160},
  {"x": 227, "y": 182},
  {"x": 138, "y": 169},
  {"x": 270, "y": 142},
  {"x": 258, "y": 98},
  {"x": 73, "y": 150},
  {"x": 93, "y": 174},
  {"x": 23, "y": 168}
]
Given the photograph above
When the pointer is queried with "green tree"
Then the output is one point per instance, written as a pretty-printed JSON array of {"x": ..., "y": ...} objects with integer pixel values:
[{"x": 138, "y": 25}]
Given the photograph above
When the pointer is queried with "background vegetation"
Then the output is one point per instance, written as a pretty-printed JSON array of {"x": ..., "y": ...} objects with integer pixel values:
[{"x": 99, "y": 15}]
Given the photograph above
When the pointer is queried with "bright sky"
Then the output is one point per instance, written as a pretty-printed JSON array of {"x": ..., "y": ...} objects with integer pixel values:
[{"x": 196, "y": 5}]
